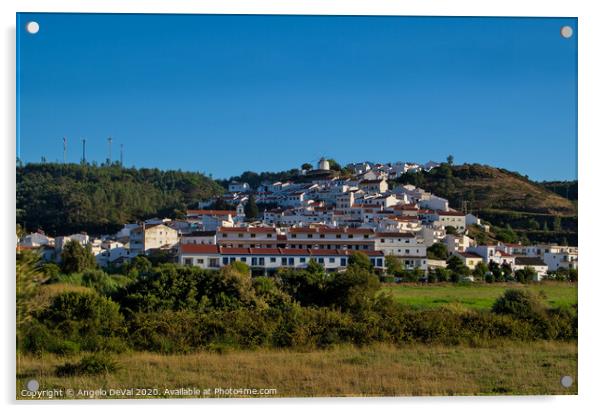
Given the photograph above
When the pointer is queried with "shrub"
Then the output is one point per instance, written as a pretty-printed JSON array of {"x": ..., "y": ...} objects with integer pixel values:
[
  {"x": 52, "y": 271},
  {"x": 443, "y": 274},
  {"x": 354, "y": 289},
  {"x": 99, "y": 363},
  {"x": 91, "y": 321},
  {"x": 521, "y": 304}
]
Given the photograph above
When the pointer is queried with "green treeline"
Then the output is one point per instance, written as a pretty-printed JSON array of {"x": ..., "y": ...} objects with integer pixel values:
[
  {"x": 66, "y": 198},
  {"x": 172, "y": 309}
]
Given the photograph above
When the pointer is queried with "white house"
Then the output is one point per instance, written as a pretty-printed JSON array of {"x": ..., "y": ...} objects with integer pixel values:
[
  {"x": 472, "y": 220},
  {"x": 373, "y": 186},
  {"x": 540, "y": 267},
  {"x": 111, "y": 252},
  {"x": 199, "y": 237},
  {"x": 36, "y": 239},
  {"x": 434, "y": 202},
  {"x": 125, "y": 231},
  {"x": 452, "y": 219},
  {"x": 149, "y": 237},
  {"x": 60, "y": 242},
  {"x": 561, "y": 257},
  {"x": 269, "y": 259},
  {"x": 210, "y": 220},
  {"x": 409, "y": 248},
  {"x": 457, "y": 242}
]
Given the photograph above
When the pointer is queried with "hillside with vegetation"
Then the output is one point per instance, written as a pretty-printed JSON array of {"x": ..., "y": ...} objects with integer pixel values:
[
  {"x": 519, "y": 209},
  {"x": 567, "y": 189},
  {"x": 484, "y": 187},
  {"x": 66, "y": 198}
]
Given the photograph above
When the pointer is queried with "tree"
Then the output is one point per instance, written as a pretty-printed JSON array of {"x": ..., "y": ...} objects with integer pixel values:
[
  {"x": 496, "y": 271},
  {"x": 334, "y": 165},
  {"x": 507, "y": 271},
  {"x": 29, "y": 278},
  {"x": 525, "y": 275},
  {"x": 450, "y": 159},
  {"x": 307, "y": 167},
  {"x": 251, "y": 209},
  {"x": 394, "y": 265},
  {"x": 140, "y": 265},
  {"x": 354, "y": 289},
  {"x": 557, "y": 223},
  {"x": 437, "y": 251},
  {"x": 220, "y": 204},
  {"x": 457, "y": 268},
  {"x": 313, "y": 267},
  {"x": 449, "y": 230},
  {"x": 360, "y": 260},
  {"x": 241, "y": 267},
  {"x": 76, "y": 258},
  {"x": 480, "y": 270}
]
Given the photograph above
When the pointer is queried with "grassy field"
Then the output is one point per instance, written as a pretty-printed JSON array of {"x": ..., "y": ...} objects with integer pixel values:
[
  {"x": 379, "y": 370},
  {"x": 477, "y": 295}
]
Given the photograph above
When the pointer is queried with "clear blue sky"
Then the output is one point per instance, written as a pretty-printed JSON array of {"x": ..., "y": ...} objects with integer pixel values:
[{"x": 225, "y": 94}]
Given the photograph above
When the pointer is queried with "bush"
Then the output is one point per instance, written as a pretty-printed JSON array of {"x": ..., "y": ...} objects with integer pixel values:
[
  {"x": 52, "y": 271},
  {"x": 37, "y": 339},
  {"x": 99, "y": 363},
  {"x": 521, "y": 304},
  {"x": 91, "y": 321}
]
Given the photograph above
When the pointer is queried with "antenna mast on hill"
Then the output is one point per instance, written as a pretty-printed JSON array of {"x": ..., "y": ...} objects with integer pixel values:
[
  {"x": 110, "y": 154},
  {"x": 121, "y": 154},
  {"x": 84, "y": 150},
  {"x": 64, "y": 149}
]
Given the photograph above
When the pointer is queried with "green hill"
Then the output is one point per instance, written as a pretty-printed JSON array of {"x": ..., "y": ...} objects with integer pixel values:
[{"x": 62, "y": 199}]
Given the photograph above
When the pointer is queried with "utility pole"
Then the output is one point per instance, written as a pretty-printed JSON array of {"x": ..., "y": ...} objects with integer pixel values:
[
  {"x": 110, "y": 155},
  {"x": 84, "y": 150},
  {"x": 64, "y": 149},
  {"x": 121, "y": 155}
]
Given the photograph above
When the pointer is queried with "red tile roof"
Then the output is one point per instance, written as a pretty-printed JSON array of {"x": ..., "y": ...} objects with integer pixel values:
[
  {"x": 250, "y": 230},
  {"x": 199, "y": 249},
  {"x": 451, "y": 213},
  {"x": 395, "y": 235},
  {"x": 213, "y": 249}
]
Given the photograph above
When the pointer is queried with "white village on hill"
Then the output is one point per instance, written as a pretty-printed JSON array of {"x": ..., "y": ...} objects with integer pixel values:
[{"x": 320, "y": 217}]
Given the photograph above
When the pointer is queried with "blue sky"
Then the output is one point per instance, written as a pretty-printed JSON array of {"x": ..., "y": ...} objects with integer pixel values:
[{"x": 225, "y": 94}]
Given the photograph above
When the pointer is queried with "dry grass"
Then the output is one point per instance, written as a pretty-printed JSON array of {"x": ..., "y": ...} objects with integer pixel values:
[
  {"x": 48, "y": 291},
  {"x": 378, "y": 370}
]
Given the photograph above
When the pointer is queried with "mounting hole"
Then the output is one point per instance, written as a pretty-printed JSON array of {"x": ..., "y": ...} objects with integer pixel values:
[
  {"x": 32, "y": 27},
  {"x": 33, "y": 385},
  {"x": 566, "y": 32},
  {"x": 566, "y": 381}
]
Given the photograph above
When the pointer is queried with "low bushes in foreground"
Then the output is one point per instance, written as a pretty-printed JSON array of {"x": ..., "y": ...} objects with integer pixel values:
[
  {"x": 173, "y": 309},
  {"x": 99, "y": 363}
]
